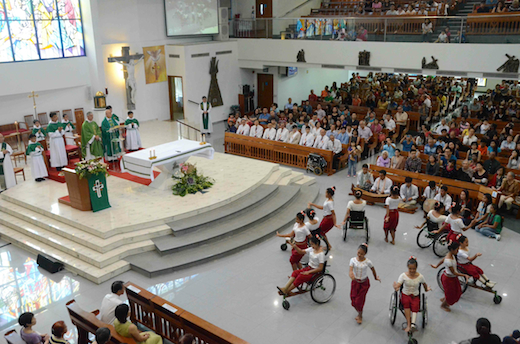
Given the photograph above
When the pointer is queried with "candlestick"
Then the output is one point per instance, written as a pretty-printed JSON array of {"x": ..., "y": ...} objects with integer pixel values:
[{"x": 150, "y": 153}]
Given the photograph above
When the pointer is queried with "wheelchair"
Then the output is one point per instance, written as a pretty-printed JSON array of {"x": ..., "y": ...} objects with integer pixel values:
[
  {"x": 471, "y": 283},
  {"x": 427, "y": 238},
  {"x": 357, "y": 220},
  {"x": 395, "y": 304},
  {"x": 322, "y": 287},
  {"x": 316, "y": 232},
  {"x": 316, "y": 164}
]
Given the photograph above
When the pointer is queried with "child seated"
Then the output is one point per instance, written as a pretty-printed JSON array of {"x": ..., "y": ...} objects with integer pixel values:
[{"x": 466, "y": 262}]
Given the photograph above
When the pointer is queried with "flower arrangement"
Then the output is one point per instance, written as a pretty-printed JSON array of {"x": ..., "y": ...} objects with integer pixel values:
[
  {"x": 85, "y": 169},
  {"x": 189, "y": 181}
]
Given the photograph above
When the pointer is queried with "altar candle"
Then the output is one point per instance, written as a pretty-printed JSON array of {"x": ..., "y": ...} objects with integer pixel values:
[{"x": 150, "y": 153}]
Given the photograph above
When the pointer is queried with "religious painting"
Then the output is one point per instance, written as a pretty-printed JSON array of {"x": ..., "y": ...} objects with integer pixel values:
[{"x": 155, "y": 64}]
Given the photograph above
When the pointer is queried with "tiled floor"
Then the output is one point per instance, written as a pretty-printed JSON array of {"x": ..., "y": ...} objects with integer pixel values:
[{"x": 238, "y": 292}]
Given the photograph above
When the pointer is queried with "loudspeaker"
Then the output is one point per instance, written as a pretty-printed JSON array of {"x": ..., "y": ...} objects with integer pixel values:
[
  {"x": 223, "y": 32},
  {"x": 49, "y": 264},
  {"x": 223, "y": 15}
]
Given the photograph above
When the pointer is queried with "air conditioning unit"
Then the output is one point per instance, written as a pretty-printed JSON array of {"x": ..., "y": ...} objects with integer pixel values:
[{"x": 223, "y": 32}]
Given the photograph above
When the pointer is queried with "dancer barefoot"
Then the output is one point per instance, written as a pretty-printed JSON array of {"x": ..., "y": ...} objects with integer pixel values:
[{"x": 392, "y": 214}]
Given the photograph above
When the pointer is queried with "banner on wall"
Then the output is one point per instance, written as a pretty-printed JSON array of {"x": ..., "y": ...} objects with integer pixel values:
[{"x": 155, "y": 64}]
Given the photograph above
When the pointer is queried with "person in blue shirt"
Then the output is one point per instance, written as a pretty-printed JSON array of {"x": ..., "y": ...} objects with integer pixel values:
[
  {"x": 431, "y": 147},
  {"x": 264, "y": 117},
  {"x": 407, "y": 106},
  {"x": 389, "y": 147},
  {"x": 343, "y": 137},
  {"x": 447, "y": 156},
  {"x": 407, "y": 142},
  {"x": 289, "y": 105},
  {"x": 332, "y": 131}
]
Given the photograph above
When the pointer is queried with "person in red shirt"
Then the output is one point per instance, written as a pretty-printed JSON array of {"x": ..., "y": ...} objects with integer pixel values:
[
  {"x": 313, "y": 97},
  {"x": 356, "y": 101}
]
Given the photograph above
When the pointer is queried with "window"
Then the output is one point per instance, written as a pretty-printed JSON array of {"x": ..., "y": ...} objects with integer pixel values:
[{"x": 40, "y": 30}]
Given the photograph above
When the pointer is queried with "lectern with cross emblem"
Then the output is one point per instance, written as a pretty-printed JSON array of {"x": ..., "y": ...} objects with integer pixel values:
[{"x": 128, "y": 61}]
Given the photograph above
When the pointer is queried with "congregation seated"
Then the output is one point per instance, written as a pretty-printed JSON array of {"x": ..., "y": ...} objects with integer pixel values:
[
  {"x": 125, "y": 328},
  {"x": 382, "y": 184},
  {"x": 27, "y": 321},
  {"x": 110, "y": 302}
]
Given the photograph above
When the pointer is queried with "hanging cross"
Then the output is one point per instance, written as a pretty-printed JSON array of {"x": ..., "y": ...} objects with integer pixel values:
[
  {"x": 98, "y": 186},
  {"x": 128, "y": 61},
  {"x": 33, "y": 96}
]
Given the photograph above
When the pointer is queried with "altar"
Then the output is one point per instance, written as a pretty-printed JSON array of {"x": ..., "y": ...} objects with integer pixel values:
[{"x": 165, "y": 157}]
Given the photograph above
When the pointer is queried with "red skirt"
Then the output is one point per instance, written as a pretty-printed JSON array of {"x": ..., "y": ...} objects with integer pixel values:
[
  {"x": 452, "y": 236},
  {"x": 452, "y": 291},
  {"x": 299, "y": 278},
  {"x": 472, "y": 270},
  {"x": 295, "y": 256},
  {"x": 393, "y": 221},
  {"x": 326, "y": 224},
  {"x": 412, "y": 302},
  {"x": 358, "y": 294}
]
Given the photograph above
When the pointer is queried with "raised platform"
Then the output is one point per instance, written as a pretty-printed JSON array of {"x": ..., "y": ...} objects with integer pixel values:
[{"x": 99, "y": 246}]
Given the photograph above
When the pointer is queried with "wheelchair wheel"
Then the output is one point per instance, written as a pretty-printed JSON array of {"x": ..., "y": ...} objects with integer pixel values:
[
  {"x": 368, "y": 229},
  {"x": 424, "y": 311},
  {"x": 412, "y": 341},
  {"x": 439, "y": 281},
  {"x": 497, "y": 299},
  {"x": 424, "y": 238},
  {"x": 323, "y": 288},
  {"x": 283, "y": 247},
  {"x": 463, "y": 284},
  {"x": 286, "y": 305},
  {"x": 392, "y": 310},
  {"x": 318, "y": 171},
  {"x": 440, "y": 245},
  {"x": 345, "y": 227}
]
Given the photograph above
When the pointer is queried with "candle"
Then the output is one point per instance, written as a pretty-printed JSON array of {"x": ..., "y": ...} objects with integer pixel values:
[{"x": 150, "y": 153}]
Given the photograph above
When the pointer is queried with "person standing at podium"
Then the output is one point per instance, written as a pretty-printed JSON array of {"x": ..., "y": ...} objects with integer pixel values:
[
  {"x": 57, "y": 144},
  {"x": 110, "y": 136},
  {"x": 91, "y": 145},
  {"x": 133, "y": 138}
]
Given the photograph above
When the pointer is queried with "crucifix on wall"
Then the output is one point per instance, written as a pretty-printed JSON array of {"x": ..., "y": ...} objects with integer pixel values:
[{"x": 128, "y": 61}]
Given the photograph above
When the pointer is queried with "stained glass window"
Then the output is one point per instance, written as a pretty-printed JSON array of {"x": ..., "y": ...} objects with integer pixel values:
[{"x": 40, "y": 29}]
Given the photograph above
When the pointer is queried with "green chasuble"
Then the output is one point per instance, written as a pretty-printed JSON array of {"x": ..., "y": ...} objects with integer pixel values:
[
  {"x": 111, "y": 146},
  {"x": 114, "y": 116},
  {"x": 40, "y": 133},
  {"x": 131, "y": 121},
  {"x": 31, "y": 147},
  {"x": 88, "y": 130}
]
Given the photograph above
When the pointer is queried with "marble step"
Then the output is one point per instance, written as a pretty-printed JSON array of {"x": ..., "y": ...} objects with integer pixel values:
[
  {"x": 230, "y": 225},
  {"x": 72, "y": 264},
  {"x": 78, "y": 235},
  {"x": 152, "y": 264},
  {"x": 72, "y": 248},
  {"x": 292, "y": 178},
  {"x": 305, "y": 181},
  {"x": 278, "y": 175},
  {"x": 260, "y": 194}
]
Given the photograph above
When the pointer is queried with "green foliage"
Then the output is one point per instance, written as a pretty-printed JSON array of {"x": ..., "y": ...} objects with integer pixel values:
[
  {"x": 85, "y": 169},
  {"x": 189, "y": 181}
]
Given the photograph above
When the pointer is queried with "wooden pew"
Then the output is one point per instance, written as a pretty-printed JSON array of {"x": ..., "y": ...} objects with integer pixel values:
[
  {"x": 273, "y": 151},
  {"x": 493, "y": 24}
]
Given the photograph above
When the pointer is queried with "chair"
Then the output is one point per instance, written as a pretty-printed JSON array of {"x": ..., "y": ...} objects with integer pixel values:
[
  {"x": 29, "y": 121},
  {"x": 19, "y": 170},
  {"x": 43, "y": 118},
  {"x": 69, "y": 112},
  {"x": 12, "y": 337}
]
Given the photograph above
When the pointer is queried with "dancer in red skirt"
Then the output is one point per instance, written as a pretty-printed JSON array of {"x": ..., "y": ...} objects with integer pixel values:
[
  {"x": 300, "y": 233},
  {"x": 466, "y": 262},
  {"x": 358, "y": 272},
  {"x": 454, "y": 223},
  {"x": 329, "y": 216},
  {"x": 316, "y": 261},
  {"x": 392, "y": 214},
  {"x": 450, "y": 277},
  {"x": 410, "y": 296}
]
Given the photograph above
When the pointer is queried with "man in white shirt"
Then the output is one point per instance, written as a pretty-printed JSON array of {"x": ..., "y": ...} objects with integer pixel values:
[
  {"x": 469, "y": 138},
  {"x": 294, "y": 136},
  {"x": 443, "y": 125},
  {"x": 382, "y": 185},
  {"x": 314, "y": 120},
  {"x": 336, "y": 147},
  {"x": 409, "y": 193},
  {"x": 389, "y": 123},
  {"x": 320, "y": 112},
  {"x": 269, "y": 132},
  {"x": 366, "y": 134},
  {"x": 282, "y": 134},
  {"x": 431, "y": 190},
  {"x": 256, "y": 130},
  {"x": 444, "y": 198},
  {"x": 392, "y": 11},
  {"x": 110, "y": 302},
  {"x": 307, "y": 138},
  {"x": 365, "y": 179},
  {"x": 243, "y": 128},
  {"x": 321, "y": 140}
]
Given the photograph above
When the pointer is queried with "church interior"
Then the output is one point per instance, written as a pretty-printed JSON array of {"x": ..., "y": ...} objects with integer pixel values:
[{"x": 259, "y": 171}]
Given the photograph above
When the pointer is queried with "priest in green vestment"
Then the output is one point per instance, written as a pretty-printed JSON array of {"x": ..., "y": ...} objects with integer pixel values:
[
  {"x": 116, "y": 118},
  {"x": 111, "y": 141},
  {"x": 91, "y": 145}
]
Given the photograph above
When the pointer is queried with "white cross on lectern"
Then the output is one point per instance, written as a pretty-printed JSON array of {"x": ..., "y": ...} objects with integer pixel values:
[{"x": 98, "y": 186}]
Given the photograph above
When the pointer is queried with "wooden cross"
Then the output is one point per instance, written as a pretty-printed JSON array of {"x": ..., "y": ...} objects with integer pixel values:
[
  {"x": 33, "y": 96},
  {"x": 128, "y": 60}
]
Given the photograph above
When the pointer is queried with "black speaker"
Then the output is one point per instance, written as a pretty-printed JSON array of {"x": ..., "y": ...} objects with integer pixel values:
[
  {"x": 49, "y": 264},
  {"x": 245, "y": 90}
]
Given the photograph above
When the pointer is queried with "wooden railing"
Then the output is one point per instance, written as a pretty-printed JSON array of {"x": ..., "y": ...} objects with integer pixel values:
[
  {"x": 493, "y": 24},
  {"x": 273, "y": 151}
]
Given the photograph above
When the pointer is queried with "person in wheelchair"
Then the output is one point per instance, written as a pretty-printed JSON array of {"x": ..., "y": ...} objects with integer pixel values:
[
  {"x": 465, "y": 263},
  {"x": 410, "y": 295},
  {"x": 356, "y": 205},
  {"x": 358, "y": 272},
  {"x": 314, "y": 222},
  {"x": 435, "y": 216},
  {"x": 300, "y": 233},
  {"x": 305, "y": 275},
  {"x": 455, "y": 224}
]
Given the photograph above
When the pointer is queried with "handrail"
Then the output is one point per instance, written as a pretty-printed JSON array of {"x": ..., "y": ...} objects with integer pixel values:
[
  {"x": 295, "y": 8},
  {"x": 187, "y": 125},
  {"x": 183, "y": 128},
  {"x": 379, "y": 17}
]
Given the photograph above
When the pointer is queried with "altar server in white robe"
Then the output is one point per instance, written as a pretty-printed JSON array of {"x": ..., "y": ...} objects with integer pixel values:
[
  {"x": 307, "y": 138},
  {"x": 382, "y": 184},
  {"x": 57, "y": 144},
  {"x": 294, "y": 136},
  {"x": 133, "y": 138},
  {"x": 282, "y": 134},
  {"x": 7, "y": 178},
  {"x": 35, "y": 152},
  {"x": 243, "y": 129},
  {"x": 269, "y": 132},
  {"x": 68, "y": 127},
  {"x": 321, "y": 140},
  {"x": 256, "y": 130}
]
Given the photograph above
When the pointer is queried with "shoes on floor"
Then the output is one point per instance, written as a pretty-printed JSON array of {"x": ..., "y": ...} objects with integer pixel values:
[{"x": 498, "y": 237}]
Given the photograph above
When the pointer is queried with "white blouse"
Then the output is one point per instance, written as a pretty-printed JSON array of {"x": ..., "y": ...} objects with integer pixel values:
[
  {"x": 411, "y": 286},
  {"x": 392, "y": 203},
  {"x": 356, "y": 207},
  {"x": 328, "y": 207},
  {"x": 434, "y": 219},
  {"x": 300, "y": 233},
  {"x": 450, "y": 263},
  {"x": 463, "y": 256},
  {"x": 456, "y": 224},
  {"x": 315, "y": 226},
  {"x": 360, "y": 269},
  {"x": 315, "y": 259}
]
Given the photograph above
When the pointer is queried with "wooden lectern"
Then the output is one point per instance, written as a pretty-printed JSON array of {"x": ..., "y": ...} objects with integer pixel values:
[{"x": 79, "y": 193}]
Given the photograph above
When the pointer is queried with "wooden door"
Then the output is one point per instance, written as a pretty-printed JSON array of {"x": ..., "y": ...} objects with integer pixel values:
[
  {"x": 176, "y": 94},
  {"x": 264, "y": 26},
  {"x": 265, "y": 90}
]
